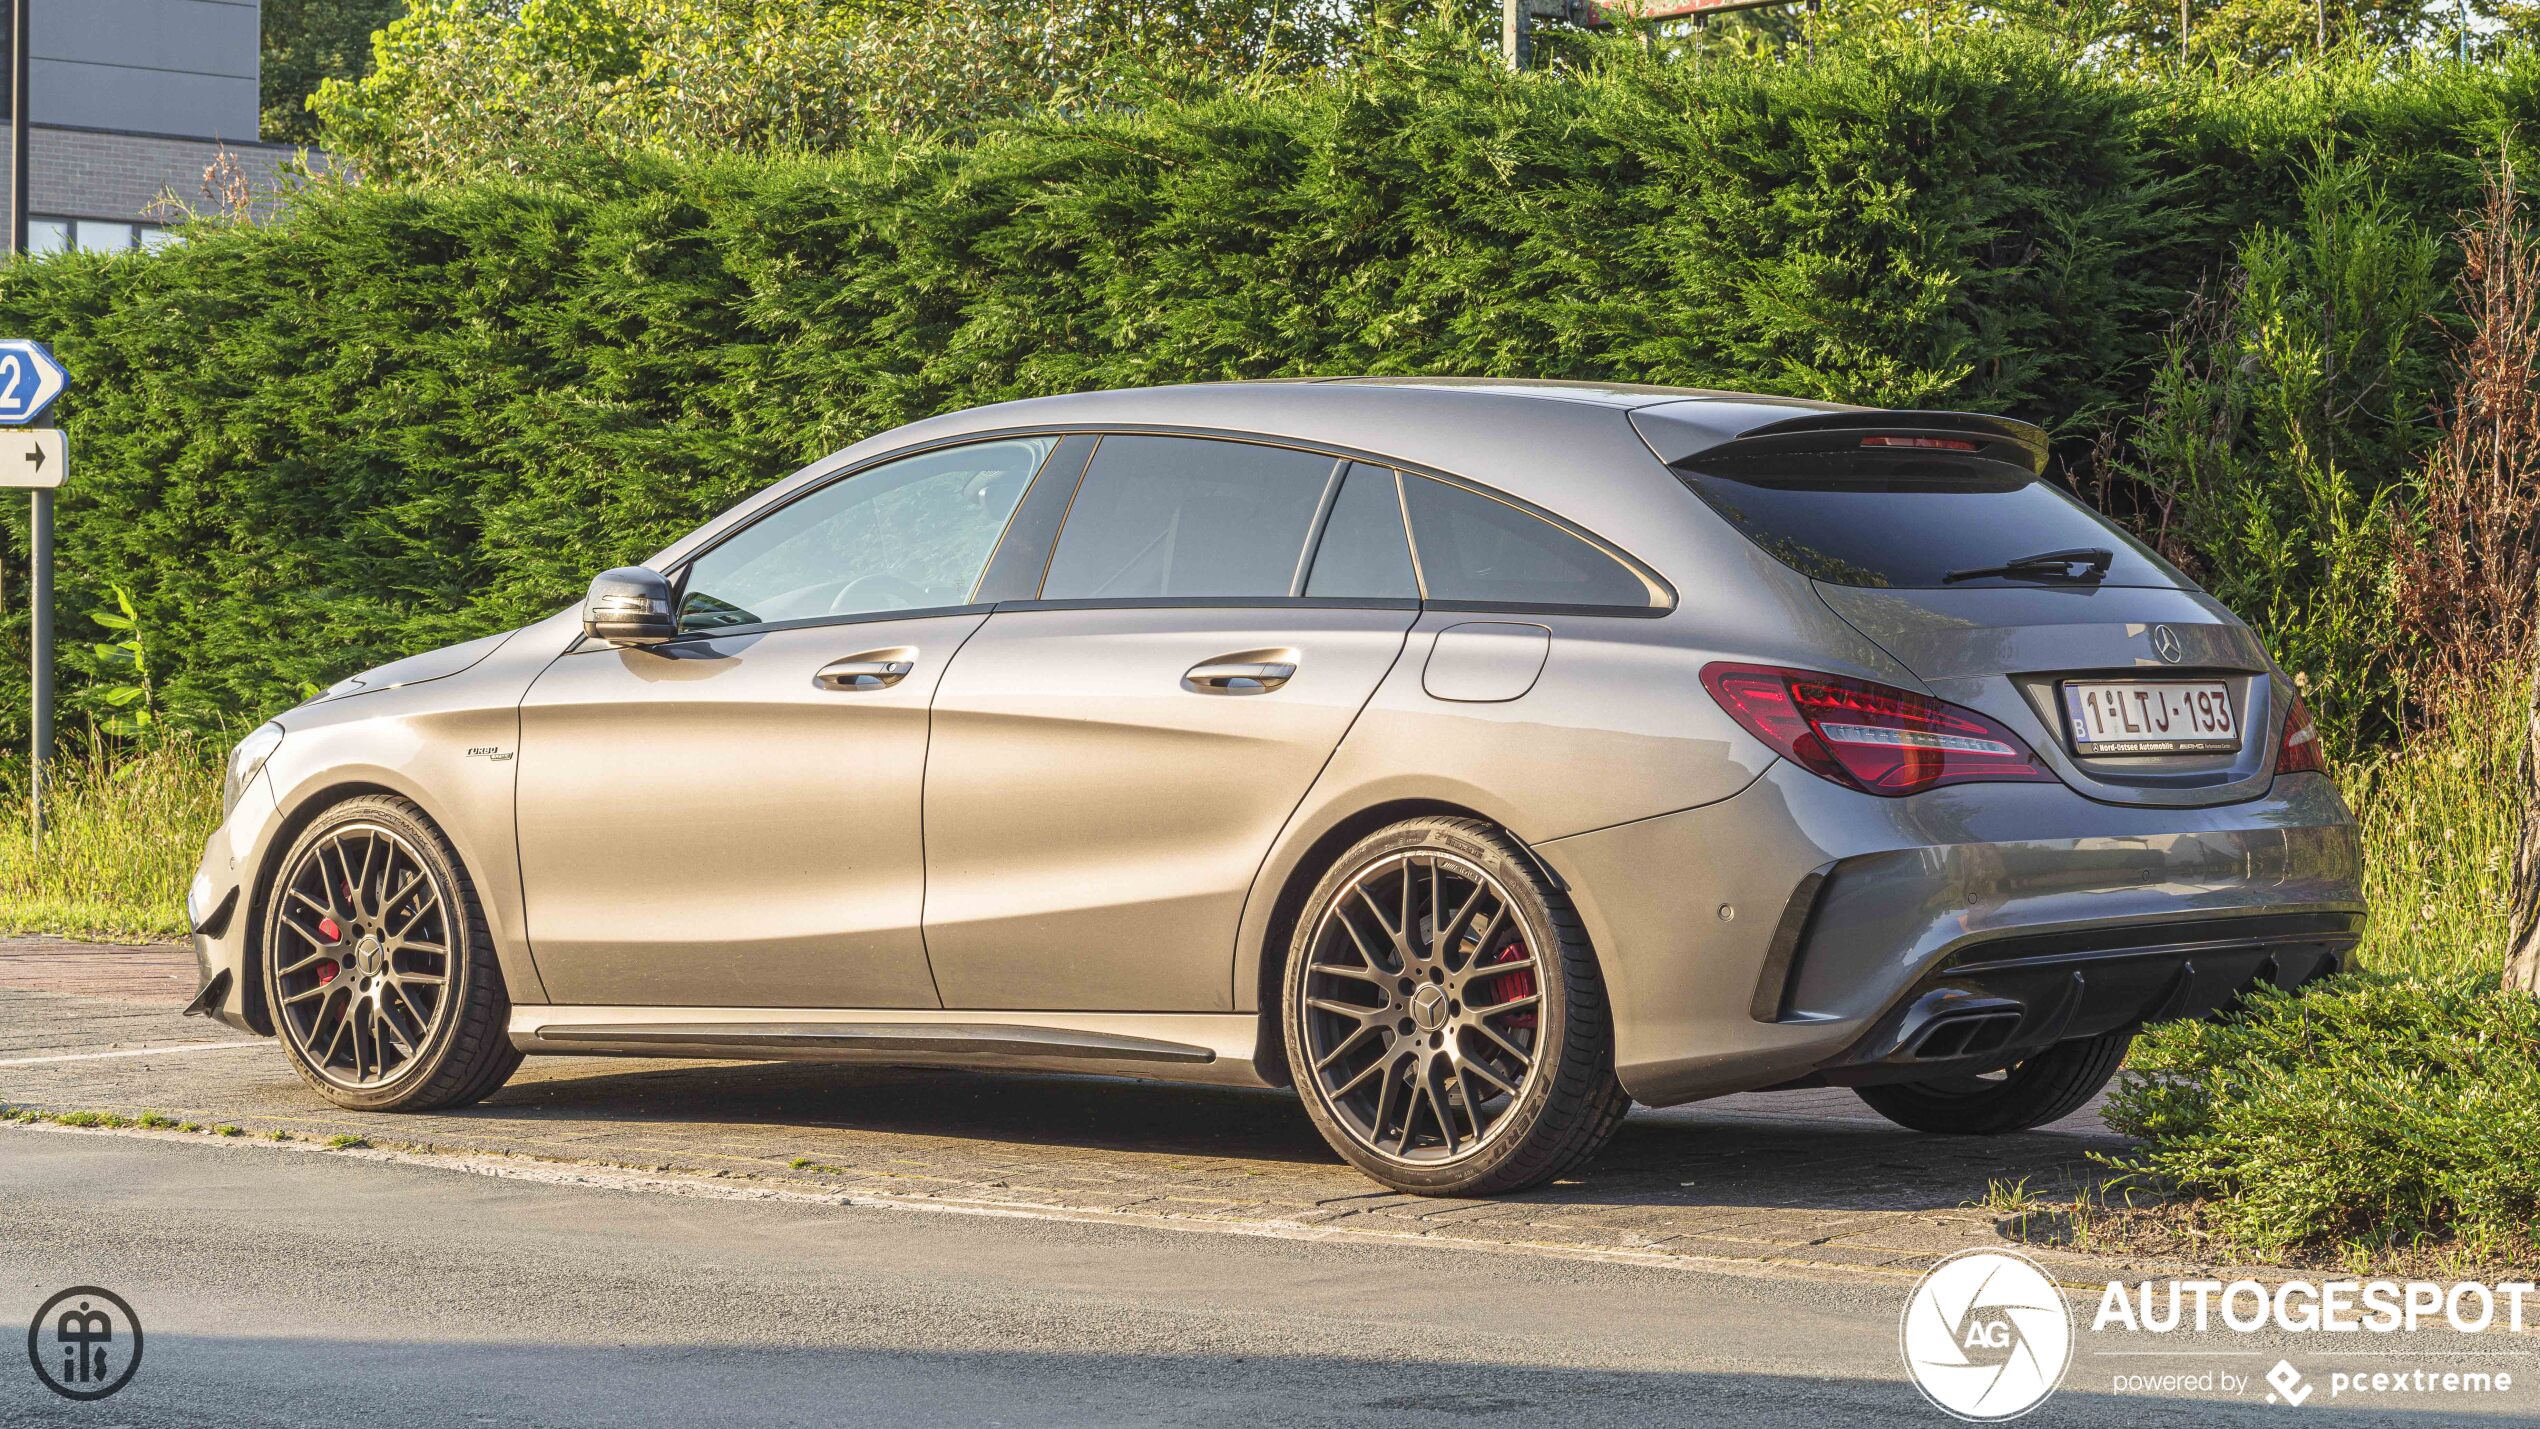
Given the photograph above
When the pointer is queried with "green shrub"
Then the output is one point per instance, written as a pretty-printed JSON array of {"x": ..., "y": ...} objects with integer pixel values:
[{"x": 2372, "y": 1112}]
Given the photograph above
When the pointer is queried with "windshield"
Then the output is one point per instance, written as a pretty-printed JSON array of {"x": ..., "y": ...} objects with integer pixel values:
[{"x": 1914, "y": 530}]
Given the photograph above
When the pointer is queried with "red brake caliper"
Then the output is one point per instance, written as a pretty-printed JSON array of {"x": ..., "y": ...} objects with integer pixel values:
[
  {"x": 327, "y": 970},
  {"x": 1508, "y": 987}
]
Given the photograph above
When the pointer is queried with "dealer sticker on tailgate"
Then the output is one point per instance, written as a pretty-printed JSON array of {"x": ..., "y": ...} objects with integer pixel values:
[{"x": 2150, "y": 717}]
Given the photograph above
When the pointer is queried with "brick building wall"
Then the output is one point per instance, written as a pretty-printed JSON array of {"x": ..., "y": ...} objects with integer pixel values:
[{"x": 80, "y": 173}]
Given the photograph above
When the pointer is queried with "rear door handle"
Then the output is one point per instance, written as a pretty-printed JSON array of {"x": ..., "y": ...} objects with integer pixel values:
[
  {"x": 871, "y": 670},
  {"x": 1238, "y": 677}
]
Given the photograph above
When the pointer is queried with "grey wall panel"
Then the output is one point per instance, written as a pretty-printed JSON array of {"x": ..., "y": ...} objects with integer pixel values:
[
  {"x": 193, "y": 36},
  {"x": 148, "y": 66},
  {"x": 92, "y": 96}
]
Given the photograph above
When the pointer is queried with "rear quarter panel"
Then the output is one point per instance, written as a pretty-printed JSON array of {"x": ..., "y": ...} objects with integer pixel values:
[{"x": 1616, "y": 728}]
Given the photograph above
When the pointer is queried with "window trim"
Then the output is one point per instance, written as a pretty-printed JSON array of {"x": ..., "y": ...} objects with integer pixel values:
[
  {"x": 1663, "y": 593},
  {"x": 1212, "y": 602},
  {"x": 1322, "y": 523}
]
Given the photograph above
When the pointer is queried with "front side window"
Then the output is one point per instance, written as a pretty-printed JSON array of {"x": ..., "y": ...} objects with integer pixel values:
[
  {"x": 913, "y": 534},
  {"x": 1188, "y": 518},
  {"x": 1477, "y": 550}
]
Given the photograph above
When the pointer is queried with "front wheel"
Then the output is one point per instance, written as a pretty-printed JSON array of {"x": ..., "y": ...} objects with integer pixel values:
[
  {"x": 1444, "y": 1019},
  {"x": 378, "y": 968},
  {"x": 2047, "y": 1087}
]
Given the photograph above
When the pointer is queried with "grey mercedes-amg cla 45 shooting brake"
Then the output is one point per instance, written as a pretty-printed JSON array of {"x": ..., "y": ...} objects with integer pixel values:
[{"x": 1473, "y": 757}]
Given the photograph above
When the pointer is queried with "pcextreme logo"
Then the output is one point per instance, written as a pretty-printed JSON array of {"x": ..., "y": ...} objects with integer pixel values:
[{"x": 1987, "y": 1336}]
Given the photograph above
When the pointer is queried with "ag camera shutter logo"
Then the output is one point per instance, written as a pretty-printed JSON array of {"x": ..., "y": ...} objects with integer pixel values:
[{"x": 1987, "y": 1336}]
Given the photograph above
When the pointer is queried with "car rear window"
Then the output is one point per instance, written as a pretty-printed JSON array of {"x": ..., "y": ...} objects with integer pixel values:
[{"x": 1911, "y": 531}]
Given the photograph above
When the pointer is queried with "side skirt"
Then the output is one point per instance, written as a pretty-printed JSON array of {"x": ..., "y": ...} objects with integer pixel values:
[{"x": 1207, "y": 1047}]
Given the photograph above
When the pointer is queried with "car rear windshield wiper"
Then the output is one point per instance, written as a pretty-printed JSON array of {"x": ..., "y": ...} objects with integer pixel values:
[{"x": 2045, "y": 566}]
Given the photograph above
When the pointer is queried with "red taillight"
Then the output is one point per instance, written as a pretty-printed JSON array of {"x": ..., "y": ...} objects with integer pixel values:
[
  {"x": 1867, "y": 736},
  {"x": 1937, "y": 444},
  {"x": 2299, "y": 751}
]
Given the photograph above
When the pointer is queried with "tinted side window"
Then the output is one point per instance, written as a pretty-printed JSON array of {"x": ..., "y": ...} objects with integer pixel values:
[
  {"x": 1186, "y": 516},
  {"x": 1473, "y": 548},
  {"x": 906, "y": 535},
  {"x": 1363, "y": 555}
]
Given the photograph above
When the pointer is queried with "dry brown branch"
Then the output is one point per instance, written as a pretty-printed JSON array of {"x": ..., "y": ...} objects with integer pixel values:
[{"x": 2469, "y": 566}]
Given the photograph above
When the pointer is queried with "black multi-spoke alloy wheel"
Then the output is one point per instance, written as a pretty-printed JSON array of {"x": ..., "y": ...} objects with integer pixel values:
[
  {"x": 379, "y": 972},
  {"x": 2047, "y": 1087},
  {"x": 1444, "y": 1019}
]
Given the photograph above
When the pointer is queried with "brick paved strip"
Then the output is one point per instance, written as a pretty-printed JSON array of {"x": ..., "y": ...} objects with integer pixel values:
[{"x": 1810, "y": 1179}]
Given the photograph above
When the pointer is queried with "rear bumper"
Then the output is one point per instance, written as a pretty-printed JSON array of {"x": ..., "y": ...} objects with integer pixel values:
[
  {"x": 1996, "y": 1002},
  {"x": 1800, "y": 932}
]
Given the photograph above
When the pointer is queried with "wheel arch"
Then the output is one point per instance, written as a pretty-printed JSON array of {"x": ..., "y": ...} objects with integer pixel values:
[
  {"x": 1270, "y": 950},
  {"x": 305, "y": 808}
]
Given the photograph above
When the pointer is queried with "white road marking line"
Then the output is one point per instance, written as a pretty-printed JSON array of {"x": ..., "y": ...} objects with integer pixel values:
[{"x": 133, "y": 1052}]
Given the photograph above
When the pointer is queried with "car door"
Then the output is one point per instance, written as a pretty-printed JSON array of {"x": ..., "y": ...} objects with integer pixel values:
[
  {"x": 732, "y": 818},
  {"x": 1112, "y": 760}
]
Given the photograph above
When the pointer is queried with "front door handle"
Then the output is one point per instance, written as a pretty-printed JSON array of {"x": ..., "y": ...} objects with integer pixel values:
[
  {"x": 1239, "y": 677},
  {"x": 870, "y": 670}
]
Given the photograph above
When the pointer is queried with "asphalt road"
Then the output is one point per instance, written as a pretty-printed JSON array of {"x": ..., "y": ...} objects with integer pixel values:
[{"x": 282, "y": 1286}]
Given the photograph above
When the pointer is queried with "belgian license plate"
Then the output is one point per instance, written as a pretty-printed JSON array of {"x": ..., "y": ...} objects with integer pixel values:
[{"x": 2150, "y": 717}]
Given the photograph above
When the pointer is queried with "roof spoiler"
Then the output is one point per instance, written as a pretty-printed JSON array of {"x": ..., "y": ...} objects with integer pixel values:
[{"x": 1684, "y": 434}]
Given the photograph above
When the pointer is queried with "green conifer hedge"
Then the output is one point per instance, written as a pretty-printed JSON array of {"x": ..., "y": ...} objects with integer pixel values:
[{"x": 391, "y": 419}]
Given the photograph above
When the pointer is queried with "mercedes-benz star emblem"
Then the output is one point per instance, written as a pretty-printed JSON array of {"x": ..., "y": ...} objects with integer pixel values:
[{"x": 2167, "y": 645}]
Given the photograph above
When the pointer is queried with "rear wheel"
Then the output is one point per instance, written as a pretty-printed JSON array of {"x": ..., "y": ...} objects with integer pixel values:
[
  {"x": 378, "y": 967},
  {"x": 2047, "y": 1087},
  {"x": 1445, "y": 1022}
]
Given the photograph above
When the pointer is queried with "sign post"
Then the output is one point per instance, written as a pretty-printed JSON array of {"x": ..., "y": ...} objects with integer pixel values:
[{"x": 36, "y": 458}]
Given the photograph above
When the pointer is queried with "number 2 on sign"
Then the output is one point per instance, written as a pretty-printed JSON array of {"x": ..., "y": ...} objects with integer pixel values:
[{"x": 14, "y": 382}]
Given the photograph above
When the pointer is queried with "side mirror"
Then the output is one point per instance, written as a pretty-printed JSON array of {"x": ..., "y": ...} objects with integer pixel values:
[{"x": 629, "y": 606}]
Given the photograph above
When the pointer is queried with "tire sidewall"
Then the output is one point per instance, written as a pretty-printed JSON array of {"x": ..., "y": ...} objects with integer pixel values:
[
  {"x": 1509, "y": 1137},
  {"x": 458, "y": 895}
]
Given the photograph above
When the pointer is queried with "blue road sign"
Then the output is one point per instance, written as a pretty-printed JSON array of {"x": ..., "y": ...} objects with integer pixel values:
[{"x": 30, "y": 380}]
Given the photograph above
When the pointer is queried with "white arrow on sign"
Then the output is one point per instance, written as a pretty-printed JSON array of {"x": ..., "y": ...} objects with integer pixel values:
[
  {"x": 29, "y": 381},
  {"x": 33, "y": 456}
]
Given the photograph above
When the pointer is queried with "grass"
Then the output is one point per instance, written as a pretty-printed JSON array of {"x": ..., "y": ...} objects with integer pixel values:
[
  {"x": 2438, "y": 818},
  {"x": 123, "y": 831}
]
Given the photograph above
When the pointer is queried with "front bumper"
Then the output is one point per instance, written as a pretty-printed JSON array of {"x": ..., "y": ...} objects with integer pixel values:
[
  {"x": 1803, "y": 932},
  {"x": 217, "y": 910}
]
